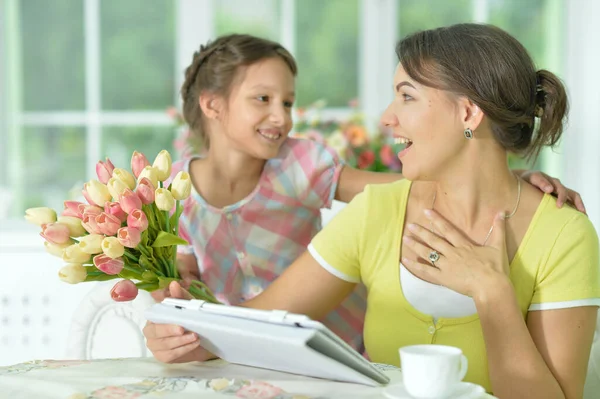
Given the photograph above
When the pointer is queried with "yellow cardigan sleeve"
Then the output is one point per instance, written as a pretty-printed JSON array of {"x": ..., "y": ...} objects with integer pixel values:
[
  {"x": 338, "y": 246},
  {"x": 571, "y": 273}
]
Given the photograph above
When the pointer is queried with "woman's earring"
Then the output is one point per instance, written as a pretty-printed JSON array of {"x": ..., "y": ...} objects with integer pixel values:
[{"x": 468, "y": 133}]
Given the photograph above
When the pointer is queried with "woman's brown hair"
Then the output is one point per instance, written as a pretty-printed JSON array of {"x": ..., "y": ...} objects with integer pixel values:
[
  {"x": 492, "y": 69},
  {"x": 215, "y": 66}
]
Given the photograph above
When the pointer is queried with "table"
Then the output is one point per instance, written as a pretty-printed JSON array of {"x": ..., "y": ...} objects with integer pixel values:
[{"x": 140, "y": 378}]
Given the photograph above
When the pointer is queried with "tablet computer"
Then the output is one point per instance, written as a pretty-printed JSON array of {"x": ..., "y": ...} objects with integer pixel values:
[{"x": 270, "y": 339}]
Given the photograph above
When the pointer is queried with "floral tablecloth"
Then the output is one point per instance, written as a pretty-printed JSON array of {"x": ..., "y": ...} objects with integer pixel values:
[{"x": 142, "y": 378}]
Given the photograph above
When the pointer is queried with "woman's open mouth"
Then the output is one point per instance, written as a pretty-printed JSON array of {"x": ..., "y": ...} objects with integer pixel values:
[{"x": 403, "y": 141}]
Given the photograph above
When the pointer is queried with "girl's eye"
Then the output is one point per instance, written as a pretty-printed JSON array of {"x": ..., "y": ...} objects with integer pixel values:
[
  {"x": 263, "y": 98},
  {"x": 288, "y": 104}
]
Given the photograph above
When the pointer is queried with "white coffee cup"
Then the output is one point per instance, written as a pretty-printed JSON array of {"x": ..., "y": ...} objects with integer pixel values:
[{"x": 432, "y": 371}]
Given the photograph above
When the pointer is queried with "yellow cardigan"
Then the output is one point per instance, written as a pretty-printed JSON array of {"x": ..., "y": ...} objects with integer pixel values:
[{"x": 556, "y": 266}]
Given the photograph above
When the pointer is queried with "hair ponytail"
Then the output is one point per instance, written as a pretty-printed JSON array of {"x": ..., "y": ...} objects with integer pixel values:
[{"x": 551, "y": 107}]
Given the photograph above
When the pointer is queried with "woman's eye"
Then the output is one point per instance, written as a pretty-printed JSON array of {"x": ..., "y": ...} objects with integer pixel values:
[
  {"x": 406, "y": 97},
  {"x": 263, "y": 98}
]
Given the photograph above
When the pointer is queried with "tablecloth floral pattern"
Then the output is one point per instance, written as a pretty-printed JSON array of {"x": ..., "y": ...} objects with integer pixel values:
[{"x": 146, "y": 378}]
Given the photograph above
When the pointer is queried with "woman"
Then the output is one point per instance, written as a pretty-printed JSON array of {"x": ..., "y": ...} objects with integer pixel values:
[{"x": 464, "y": 252}]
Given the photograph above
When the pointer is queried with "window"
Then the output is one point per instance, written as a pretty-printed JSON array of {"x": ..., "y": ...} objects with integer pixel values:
[
  {"x": 83, "y": 79},
  {"x": 327, "y": 51},
  {"x": 536, "y": 24},
  {"x": 256, "y": 17},
  {"x": 415, "y": 15},
  {"x": 94, "y": 78}
]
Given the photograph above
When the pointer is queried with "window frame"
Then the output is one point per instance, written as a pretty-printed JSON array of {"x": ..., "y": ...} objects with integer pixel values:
[{"x": 378, "y": 27}]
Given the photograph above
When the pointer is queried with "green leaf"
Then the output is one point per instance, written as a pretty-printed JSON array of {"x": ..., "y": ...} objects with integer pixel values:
[
  {"x": 147, "y": 286},
  {"x": 144, "y": 241},
  {"x": 148, "y": 263},
  {"x": 163, "y": 282},
  {"x": 164, "y": 239},
  {"x": 95, "y": 274},
  {"x": 149, "y": 276}
]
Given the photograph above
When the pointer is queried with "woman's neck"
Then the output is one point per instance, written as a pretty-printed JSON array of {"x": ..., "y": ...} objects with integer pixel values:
[{"x": 474, "y": 189}]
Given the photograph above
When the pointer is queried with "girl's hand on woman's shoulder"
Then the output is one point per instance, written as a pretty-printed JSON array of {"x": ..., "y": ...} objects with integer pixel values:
[{"x": 551, "y": 185}]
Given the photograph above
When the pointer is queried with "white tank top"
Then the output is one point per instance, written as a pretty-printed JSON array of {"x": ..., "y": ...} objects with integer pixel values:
[{"x": 434, "y": 300}]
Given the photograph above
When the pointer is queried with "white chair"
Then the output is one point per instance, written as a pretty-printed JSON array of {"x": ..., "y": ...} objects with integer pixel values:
[{"x": 102, "y": 328}]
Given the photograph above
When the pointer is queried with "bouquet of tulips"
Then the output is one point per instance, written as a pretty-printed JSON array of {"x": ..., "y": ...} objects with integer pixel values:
[{"x": 128, "y": 228}]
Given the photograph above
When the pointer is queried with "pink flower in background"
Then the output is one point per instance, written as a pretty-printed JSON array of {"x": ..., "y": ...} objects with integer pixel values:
[
  {"x": 366, "y": 159},
  {"x": 104, "y": 170},
  {"x": 130, "y": 201},
  {"x": 138, "y": 220},
  {"x": 55, "y": 233},
  {"x": 145, "y": 190},
  {"x": 109, "y": 265},
  {"x": 89, "y": 224},
  {"x": 72, "y": 209},
  {"x": 114, "y": 208},
  {"x": 259, "y": 390},
  {"x": 124, "y": 290},
  {"x": 108, "y": 224},
  {"x": 387, "y": 155},
  {"x": 138, "y": 163},
  {"x": 390, "y": 158},
  {"x": 173, "y": 113},
  {"x": 129, "y": 237}
]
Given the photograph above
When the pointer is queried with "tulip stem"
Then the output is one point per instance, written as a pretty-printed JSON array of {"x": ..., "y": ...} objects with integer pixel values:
[
  {"x": 177, "y": 212},
  {"x": 132, "y": 257},
  {"x": 167, "y": 221}
]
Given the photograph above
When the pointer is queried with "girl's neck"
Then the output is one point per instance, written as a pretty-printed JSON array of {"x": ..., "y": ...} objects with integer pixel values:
[{"x": 233, "y": 167}]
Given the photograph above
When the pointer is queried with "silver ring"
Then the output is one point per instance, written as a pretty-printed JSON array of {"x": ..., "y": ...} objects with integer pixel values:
[{"x": 434, "y": 256}]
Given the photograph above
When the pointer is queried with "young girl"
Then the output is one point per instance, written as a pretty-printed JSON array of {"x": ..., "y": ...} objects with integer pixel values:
[{"x": 258, "y": 193}]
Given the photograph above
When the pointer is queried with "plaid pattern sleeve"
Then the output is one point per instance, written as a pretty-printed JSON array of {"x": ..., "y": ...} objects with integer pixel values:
[{"x": 315, "y": 169}]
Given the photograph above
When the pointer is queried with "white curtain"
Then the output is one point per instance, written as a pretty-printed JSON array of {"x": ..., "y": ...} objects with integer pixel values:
[{"x": 581, "y": 146}]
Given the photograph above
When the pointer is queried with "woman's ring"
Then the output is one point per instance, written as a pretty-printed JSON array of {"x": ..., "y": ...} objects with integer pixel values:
[{"x": 434, "y": 256}]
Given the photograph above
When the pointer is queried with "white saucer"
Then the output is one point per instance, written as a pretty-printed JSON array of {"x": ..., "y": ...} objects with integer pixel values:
[{"x": 464, "y": 390}]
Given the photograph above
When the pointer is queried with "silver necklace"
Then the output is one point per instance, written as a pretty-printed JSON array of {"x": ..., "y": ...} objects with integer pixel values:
[{"x": 491, "y": 228}]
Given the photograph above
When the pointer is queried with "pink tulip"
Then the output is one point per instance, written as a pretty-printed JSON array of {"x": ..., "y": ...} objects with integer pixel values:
[
  {"x": 138, "y": 220},
  {"x": 114, "y": 208},
  {"x": 55, "y": 233},
  {"x": 138, "y": 163},
  {"x": 129, "y": 237},
  {"x": 108, "y": 224},
  {"x": 123, "y": 291},
  {"x": 109, "y": 265},
  {"x": 91, "y": 210},
  {"x": 104, "y": 170},
  {"x": 89, "y": 224},
  {"x": 87, "y": 197},
  {"x": 130, "y": 201},
  {"x": 145, "y": 190},
  {"x": 72, "y": 209}
]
